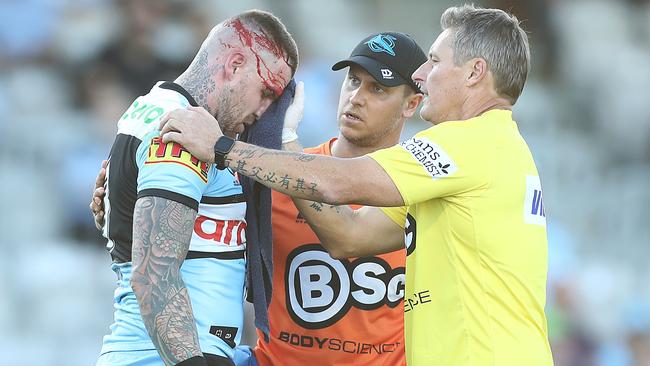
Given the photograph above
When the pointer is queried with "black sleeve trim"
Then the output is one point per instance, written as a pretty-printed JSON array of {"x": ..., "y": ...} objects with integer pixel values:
[
  {"x": 176, "y": 197},
  {"x": 235, "y": 198},
  {"x": 194, "y": 361},
  {"x": 180, "y": 90},
  {"x": 235, "y": 254},
  {"x": 214, "y": 360}
]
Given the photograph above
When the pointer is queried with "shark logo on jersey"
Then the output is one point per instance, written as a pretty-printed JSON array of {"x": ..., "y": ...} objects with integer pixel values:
[
  {"x": 534, "y": 212},
  {"x": 431, "y": 156},
  {"x": 382, "y": 43}
]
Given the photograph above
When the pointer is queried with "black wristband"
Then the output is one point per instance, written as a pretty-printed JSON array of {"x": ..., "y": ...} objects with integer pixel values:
[{"x": 194, "y": 361}]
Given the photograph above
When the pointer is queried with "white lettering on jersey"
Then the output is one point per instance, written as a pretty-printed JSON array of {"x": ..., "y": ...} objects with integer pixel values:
[
  {"x": 219, "y": 228},
  {"x": 143, "y": 116},
  {"x": 432, "y": 157},
  {"x": 320, "y": 289},
  {"x": 534, "y": 212}
]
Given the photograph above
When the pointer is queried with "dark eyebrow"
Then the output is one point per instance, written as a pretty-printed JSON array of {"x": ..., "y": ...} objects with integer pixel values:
[{"x": 376, "y": 83}]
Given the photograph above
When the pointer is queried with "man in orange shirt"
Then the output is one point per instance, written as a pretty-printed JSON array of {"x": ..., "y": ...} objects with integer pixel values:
[{"x": 327, "y": 311}]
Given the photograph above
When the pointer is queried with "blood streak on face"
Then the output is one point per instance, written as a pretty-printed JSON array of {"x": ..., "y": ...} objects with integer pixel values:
[{"x": 273, "y": 81}]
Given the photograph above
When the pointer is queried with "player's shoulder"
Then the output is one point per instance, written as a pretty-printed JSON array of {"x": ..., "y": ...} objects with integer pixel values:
[
  {"x": 144, "y": 114},
  {"x": 170, "y": 159}
]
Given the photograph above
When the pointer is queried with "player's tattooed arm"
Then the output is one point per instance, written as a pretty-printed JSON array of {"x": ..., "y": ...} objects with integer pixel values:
[{"x": 161, "y": 235}]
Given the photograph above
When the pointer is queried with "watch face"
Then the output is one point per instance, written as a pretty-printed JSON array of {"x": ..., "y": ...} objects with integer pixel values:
[
  {"x": 221, "y": 148},
  {"x": 223, "y": 144}
]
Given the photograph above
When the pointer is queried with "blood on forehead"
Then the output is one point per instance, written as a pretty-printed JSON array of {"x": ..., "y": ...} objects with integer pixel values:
[{"x": 254, "y": 41}]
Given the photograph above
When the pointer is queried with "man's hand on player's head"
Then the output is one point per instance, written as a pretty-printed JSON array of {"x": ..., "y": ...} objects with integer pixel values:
[
  {"x": 293, "y": 115},
  {"x": 194, "y": 128},
  {"x": 97, "y": 201}
]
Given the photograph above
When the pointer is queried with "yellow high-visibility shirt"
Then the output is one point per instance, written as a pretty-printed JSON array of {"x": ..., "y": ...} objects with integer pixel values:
[{"x": 476, "y": 243}]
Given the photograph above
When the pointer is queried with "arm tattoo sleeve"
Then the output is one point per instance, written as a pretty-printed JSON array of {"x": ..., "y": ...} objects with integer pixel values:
[{"x": 161, "y": 235}]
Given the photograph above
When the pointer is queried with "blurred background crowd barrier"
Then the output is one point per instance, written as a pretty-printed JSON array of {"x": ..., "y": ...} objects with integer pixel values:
[{"x": 68, "y": 69}]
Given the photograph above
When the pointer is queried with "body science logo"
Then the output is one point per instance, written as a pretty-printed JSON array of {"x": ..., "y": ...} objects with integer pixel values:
[{"x": 320, "y": 290}]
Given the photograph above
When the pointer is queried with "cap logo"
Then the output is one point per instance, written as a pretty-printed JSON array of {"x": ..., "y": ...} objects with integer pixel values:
[
  {"x": 386, "y": 74},
  {"x": 382, "y": 43}
]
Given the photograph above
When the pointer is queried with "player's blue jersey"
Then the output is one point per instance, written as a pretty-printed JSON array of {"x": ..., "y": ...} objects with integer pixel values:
[{"x": 140, "y": 165}]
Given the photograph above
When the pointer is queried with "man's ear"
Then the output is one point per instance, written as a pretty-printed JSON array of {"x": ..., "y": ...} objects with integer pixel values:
[
  {"x": 477, "y": 70},
  {"x": 234, "y": 64},
  {"x": 412, "y": 103}
]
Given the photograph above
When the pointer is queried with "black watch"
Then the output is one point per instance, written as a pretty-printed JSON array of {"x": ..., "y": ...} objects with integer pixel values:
[{"x": 221, "y": 148}]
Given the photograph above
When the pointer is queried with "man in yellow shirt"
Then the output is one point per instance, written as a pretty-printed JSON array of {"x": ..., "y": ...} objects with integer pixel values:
[{"x": 464, "y": 194}]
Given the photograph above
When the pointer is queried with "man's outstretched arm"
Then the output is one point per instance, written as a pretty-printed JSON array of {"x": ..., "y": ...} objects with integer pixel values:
[
  {"x": 345, "y": 232},
  {"x": 352, "y": 233},
  {"x": 313, "y": 177},
  {"x": 316, "y": 177},
  {"x": 161, "y": 235}
]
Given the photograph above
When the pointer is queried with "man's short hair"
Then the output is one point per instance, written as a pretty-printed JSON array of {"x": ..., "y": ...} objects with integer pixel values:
[
  {"x": 275, "y": 30},
  {"x": 496, "y": 37}
]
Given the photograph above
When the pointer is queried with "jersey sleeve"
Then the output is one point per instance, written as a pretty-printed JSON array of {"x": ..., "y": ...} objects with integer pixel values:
[
  {"x": 170, "y": 171},
  {"x": 426, "y": 166},
  {"x": 396, "y": 214}
]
